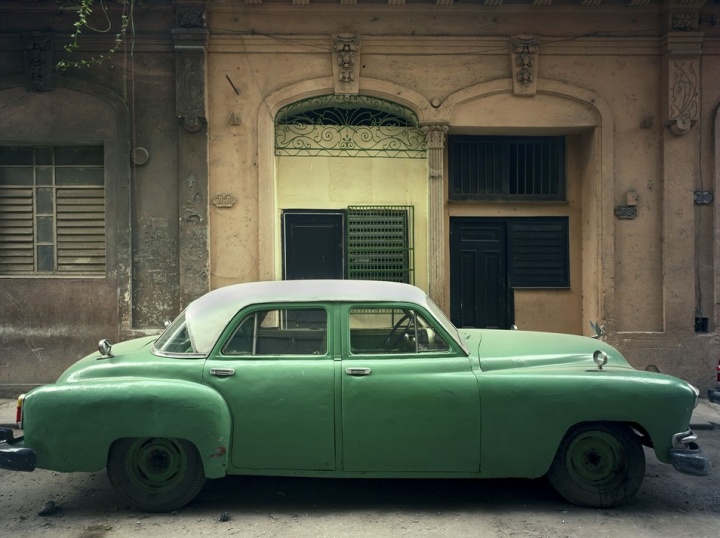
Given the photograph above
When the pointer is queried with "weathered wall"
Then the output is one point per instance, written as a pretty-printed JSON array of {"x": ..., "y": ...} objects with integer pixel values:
[{"x": 128, "y": 104}]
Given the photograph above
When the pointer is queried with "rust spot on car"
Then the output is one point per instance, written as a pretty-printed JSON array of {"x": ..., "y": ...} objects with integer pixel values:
[{"x": 219, "y": 453}]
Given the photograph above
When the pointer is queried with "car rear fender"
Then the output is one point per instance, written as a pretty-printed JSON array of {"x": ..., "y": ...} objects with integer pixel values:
[{"x": 71, "y": 426}]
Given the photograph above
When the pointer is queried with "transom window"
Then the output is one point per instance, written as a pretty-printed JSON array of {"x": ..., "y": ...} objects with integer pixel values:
[
  {"x": 52, "y": 210},
  {"x": 348, "y": 126},
  {"x": 506, "y": 167}
]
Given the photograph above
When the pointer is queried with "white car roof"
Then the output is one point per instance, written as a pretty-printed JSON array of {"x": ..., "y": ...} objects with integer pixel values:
[{"x": 208, "y": 315}]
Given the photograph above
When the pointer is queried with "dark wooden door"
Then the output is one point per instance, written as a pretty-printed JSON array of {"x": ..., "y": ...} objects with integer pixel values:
[
  {"x": 479, "y": 290},
  {"x": 313, "y": 245}
]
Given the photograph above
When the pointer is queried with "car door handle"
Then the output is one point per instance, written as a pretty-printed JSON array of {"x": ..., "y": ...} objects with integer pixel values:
[
  {"x": 222, "y": 372},
  {"x": 358, "y": 371}
]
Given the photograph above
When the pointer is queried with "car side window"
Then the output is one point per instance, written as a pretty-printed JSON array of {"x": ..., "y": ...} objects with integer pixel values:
[
  {"x": 382, "y": 330},
  {"x": 280, "y": 332}
]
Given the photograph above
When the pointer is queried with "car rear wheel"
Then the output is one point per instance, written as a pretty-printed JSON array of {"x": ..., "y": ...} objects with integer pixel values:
[
  {"x": 155, "y": 474},
  {"x": 598, "y": 465}
]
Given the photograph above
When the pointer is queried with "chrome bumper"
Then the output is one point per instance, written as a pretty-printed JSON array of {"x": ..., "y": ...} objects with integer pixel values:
[
  {"x": 686, "y": 455},
  {"x": 15, "y": 458}
]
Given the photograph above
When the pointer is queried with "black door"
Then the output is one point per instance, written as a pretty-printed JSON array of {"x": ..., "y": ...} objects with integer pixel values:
[
  {"x": 479, "y": 291},
  {"x": 313, "y": 245}
]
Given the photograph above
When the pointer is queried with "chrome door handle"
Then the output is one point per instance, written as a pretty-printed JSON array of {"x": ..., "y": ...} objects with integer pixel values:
[
  {"x": 222, "y": 372},
  {"x": 358, "y": 371}
]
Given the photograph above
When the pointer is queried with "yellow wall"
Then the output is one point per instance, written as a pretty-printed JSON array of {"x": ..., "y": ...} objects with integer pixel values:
[{"x": 337, "y": 182}]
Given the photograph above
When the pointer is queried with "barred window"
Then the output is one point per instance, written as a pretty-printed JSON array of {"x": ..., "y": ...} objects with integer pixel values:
[
  {"x": 506, "y": 167},
  {"x": 380, "y": 243},
  {"x": 52, "y": 210}
]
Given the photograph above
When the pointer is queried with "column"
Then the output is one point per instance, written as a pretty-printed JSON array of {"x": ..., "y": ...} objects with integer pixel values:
[
  {"x": 438, "y": 285},
  {"x": 190, "y": 42}
]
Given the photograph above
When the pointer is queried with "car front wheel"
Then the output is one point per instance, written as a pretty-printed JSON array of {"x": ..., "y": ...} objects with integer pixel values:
[
  {"x": 155, "y": 474},
  {"x": 598, "y": 465}
]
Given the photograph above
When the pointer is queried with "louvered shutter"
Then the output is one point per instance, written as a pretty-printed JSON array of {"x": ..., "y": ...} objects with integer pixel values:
[
  {"x": 16, "y": 231},
  {"x": 539, "y": 253},
  {"x": 81, "y": 230},
  {"x": 379, "y": 243}
]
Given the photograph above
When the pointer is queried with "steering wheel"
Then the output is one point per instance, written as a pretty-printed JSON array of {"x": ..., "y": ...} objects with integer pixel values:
[{"x": 393, "y": 339}]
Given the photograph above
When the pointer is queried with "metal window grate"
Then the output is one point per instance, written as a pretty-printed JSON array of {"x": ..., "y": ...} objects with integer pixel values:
[
  {"x": 506, "y": 167},
  {"x": 348, "y": 126},
  {"x": 52, "y": 210},
  {"x": 380, "y": 243}
]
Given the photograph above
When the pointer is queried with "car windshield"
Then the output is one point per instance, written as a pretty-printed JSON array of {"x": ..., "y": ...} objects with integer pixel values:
[{"x": 176, "y": 340}]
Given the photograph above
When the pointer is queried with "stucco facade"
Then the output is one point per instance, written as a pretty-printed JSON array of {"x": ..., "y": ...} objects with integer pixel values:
[{"x": 631, "y": 88}]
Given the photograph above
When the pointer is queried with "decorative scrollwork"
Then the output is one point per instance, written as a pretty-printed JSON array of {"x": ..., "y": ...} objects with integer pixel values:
[
  {"x": 349, "y": 125},
  {"x": 684, "y": 95}
]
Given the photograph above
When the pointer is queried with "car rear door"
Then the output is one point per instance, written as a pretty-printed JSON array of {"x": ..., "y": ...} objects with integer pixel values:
[
  {"x": 274, "y": 366},
  {"x": 410, "y": 401}
]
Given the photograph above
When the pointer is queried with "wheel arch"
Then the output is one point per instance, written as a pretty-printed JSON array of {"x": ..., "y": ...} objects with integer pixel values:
[{"x": 72, "y": 426}]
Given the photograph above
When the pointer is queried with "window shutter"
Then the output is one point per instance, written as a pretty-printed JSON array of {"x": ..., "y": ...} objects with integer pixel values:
[
  {"x": 379, "y": 243},
  {"x": 540, "y": 253},
  {"x": 81, "y": 230},
  {"x": 16, "y": 231}
]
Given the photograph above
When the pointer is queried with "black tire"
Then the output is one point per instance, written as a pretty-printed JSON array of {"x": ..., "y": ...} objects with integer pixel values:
[
  {"x": 155, "y": 474},
  {"x": 598, "y": 465}
]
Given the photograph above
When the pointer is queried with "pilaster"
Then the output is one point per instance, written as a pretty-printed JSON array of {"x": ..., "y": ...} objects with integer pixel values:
[
  {"x": 190, "y": 42},
  {"x": 435, "y": 134},
  {"x": 680, "y": 168}
]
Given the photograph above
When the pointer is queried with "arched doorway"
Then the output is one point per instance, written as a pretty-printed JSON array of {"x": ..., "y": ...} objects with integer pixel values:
[{"x": 351, "y": 190}]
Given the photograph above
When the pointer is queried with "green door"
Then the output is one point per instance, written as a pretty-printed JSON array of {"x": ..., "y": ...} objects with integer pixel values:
[
  {"x": 410, "y": 401},
  {"x": 275, "y": 370}
]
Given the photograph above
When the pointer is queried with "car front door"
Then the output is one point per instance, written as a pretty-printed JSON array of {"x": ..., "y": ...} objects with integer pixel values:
[
  {"x": 410, "y": 401},
  {"x": 274, "y": 367}
]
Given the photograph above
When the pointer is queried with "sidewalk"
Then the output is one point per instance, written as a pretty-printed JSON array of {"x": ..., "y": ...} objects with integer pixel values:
[{"x": 705, "y": 417}]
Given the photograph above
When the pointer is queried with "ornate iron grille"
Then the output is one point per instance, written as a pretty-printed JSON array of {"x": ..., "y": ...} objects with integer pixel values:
[
  {"x": 380, "y": 243},
  {"x": 348, "y": 126}
]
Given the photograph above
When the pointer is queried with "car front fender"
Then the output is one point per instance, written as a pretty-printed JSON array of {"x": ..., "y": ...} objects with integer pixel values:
[{"x": 71, "y": 426}]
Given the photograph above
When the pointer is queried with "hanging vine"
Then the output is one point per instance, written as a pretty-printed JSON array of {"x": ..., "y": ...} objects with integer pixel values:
[{"x": 85, "y": 10}]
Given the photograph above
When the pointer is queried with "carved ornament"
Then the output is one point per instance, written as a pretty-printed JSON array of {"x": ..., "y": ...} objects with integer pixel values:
[
  {"x": 346, "y": 63},
  {"x": 38, "y": 60},
  {"x": 687, "y": 21},
  {"x": 435, "y": 134},
  {"x": 683, "y": 95},
  {"x": 191, "y": 18},
  {"x": 524, "y": 59}
]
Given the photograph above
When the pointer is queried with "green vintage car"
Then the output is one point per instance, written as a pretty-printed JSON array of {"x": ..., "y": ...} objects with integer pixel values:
[{"x": 352, "y": 379}]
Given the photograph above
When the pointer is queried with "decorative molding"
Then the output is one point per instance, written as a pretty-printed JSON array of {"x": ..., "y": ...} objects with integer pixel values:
[
  {"x": 589, "y": 3},
  {"x": 524, "y": 59},
  {"x": 38, "y": 60},
  {"x": 684, "y": 94},
  {"x": 346, "y": 63},
  {"x": 685, "y": 21},
  {"x": 190, "y": 91},
  {"x": 435, "y": 135},
  {"x": 224, "y": 200},
  {"x": 191, "y": 18}
]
